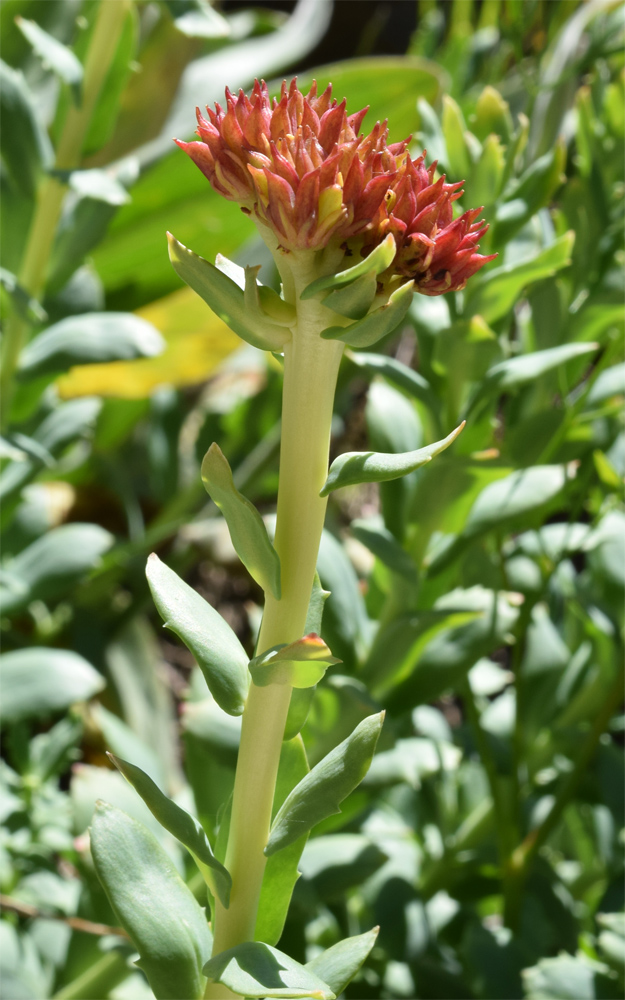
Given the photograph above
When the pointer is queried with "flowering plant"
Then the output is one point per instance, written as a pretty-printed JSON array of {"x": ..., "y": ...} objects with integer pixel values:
[{"x": 322, "y": 196}]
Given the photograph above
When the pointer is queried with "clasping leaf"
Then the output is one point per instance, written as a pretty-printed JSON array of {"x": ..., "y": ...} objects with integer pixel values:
[
  {"x": 167, "y": 926},
  {"x": 181, "y": 825},
  {"x": 247, "y": 531},
  {"x": 218, "y": 652},
  {"x": 376, "y": 324},
  {"x": 379, "y": 467},
  {"x": 301, "y": 664},
  {"x": 225, "y": 298},
  {"x": 377, "y": 261},
  {"x": 255, "y": 969},
  {"x": 320, "y": 793}
]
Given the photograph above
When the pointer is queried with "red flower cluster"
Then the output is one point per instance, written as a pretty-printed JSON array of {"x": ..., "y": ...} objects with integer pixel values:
[{"x": 300, "y": 167}]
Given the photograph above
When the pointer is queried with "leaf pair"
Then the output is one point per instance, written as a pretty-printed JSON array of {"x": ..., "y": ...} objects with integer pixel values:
[{"x": 255, "y": 969}]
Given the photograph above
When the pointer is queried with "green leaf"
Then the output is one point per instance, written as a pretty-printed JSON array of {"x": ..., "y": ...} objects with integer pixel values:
[
  {"x": 62, "y": 426},
  {"x": 494, "y": 295},
  {"x": 338, "y": 965},
  {"x": 570, "y": 977},
  {"x": 433, "y": 657},
  {"x": 163, "y": 919},
  {"x": 454, "y": 128},
  {"x": 205, "y": 22},
  {"x": 48, "y": 568},
  {"x": 301, "y": 698},
  {"x": 54, "y": 54},
  {"x": 181, "y": 825},
  {"x": 255, "y": 969},
  {"x": 320, "y": 793},
  {"x": 23, "y": 301},
  {"x": 379, "y": 540},
  {"x": 99, "y": 185},
  {"x": 225, "y": 298},
  {"x": 399, "y": 375},
  {"x": 517, "y": 495},
  {"x": 247, "y": 530},
  {"x": 527, "y": 194},
  {"x": 377, "y": 324},
  {"x": 218, "y": 652},
  {"x": 301, "y": 664},
  {"x": 39, "y": 681},
  {"x": 318, "y": 598},
  {"x": 356, "y": 299},
  {"x": 610, "y": 382},
  {"x": 526, "y": 367},
  {"x": 281, "y": 870},
  {"x": 24, "y": 143},
  {"x": 377, "y": 261},
  {"x": 89, "y": 339},
  {"x": 378, "y": 467}
]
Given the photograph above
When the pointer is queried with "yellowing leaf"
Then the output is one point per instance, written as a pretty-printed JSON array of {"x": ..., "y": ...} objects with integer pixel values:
[{"x": 197, "y": 342}]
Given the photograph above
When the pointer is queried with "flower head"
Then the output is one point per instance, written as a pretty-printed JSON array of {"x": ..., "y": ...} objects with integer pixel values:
[{"x": 299, "y": 166}]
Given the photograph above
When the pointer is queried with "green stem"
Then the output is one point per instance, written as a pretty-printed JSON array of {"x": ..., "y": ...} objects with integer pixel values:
[
  {"x": 520, "y": 860},
  {"x": 32, "y": 273},
  {"x": 310, "y": 372}
]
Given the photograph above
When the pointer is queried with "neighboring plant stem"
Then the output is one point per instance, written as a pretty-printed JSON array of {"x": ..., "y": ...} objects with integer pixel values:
[
  {"x": 310, "y": 372},
  {"x": 32, "y": 273},
  {"x": 521, "y": 858}
]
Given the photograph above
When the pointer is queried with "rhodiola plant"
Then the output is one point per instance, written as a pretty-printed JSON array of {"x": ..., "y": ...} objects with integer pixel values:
[{"x": 355, "y": 226}]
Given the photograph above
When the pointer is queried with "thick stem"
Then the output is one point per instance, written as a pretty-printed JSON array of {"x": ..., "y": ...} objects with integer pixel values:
[
  {"x": 32, "y": 273},
  {"x": 310, "y": 371}
]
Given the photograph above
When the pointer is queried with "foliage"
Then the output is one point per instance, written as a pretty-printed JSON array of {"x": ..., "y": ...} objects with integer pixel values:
[{"x": 477, "y": 600}]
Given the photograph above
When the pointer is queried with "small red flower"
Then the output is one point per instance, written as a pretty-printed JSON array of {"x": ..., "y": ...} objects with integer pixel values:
[{"x": 299, "y": 166}]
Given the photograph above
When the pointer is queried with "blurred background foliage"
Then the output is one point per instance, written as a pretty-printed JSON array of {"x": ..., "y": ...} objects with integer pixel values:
[{"x": 479, "y": 600}]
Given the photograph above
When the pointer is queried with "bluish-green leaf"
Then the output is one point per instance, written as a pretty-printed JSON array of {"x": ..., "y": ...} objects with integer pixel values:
[
  {"x": 519, "y": 494},
  {"x": 494, "y": 295},
  {"x": 218, "y": 652},
  {"x": 379, "y": 540},
  {"x": 338, "y": 965},
  {"x": 181, "y": 825},
  {"x": 570, "y": 977},
  {"x": 378, "y": 467},
  {"x": 225, "y": 298},
  {"x": 247, "y": 530},
  {"x": 58, "y": 57},
  {"x": 281, "y": 870},
  {"x": 301, "y": 698},
  {"x": 377, "y": 324},
  {"x": 150, "y": 900},
  {"x": 52, "y": 565},
  {"x": 525, "y": 368},
  {"x": 24, "y": 142},
  {"x": 205, "y": 22},
  {"x": 377, "y": 261},
  {"x": 355, "y": 300},
  {"x": 255, "y": 969},
  {"x": 89, "y": 339},
  {"x": 301, "y": 664},
  {"x": 38, "y": 681},
  {"x": 398, "y": 374},
  {"x": 320, "y": 793}
]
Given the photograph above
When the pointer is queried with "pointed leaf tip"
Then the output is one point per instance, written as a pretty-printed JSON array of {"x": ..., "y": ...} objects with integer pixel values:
[
  {"x": 320, "y": 793},
  {"x": 218, "y": 652},
  {"x": 354, "y": 467},
  {"x": 247, "y": 529},
  {"x": 226, "y": 298}
]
